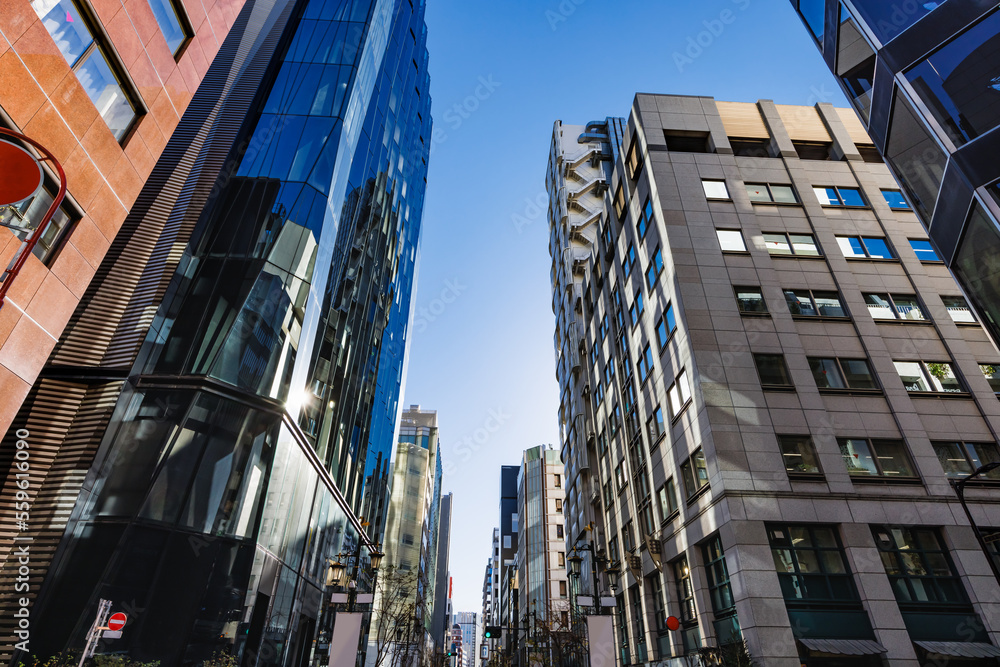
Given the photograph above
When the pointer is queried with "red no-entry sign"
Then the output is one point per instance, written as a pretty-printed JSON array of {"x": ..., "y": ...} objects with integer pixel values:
[{"x": 117, "y": 621}]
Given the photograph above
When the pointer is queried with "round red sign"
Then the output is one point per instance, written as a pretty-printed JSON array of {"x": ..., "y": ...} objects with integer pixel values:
[
  {"x": 117, "y": 621},
  {"x": 673, "y": 623},
  {"x": 20, "y": 174}
]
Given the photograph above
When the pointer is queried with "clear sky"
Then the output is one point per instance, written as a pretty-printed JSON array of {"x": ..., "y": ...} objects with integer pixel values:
[{"x": 502, "y": 71}]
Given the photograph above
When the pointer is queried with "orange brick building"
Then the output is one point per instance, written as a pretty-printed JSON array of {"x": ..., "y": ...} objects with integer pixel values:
[{"x": 101, "y": 84}]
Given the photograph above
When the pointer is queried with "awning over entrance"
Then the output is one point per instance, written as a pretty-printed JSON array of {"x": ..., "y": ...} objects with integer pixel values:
[
  {"x": 961, "y": 649},
  {"x": 844, "y": 646}
]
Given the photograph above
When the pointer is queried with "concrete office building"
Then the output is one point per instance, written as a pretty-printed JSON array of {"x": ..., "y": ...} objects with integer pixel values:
[
  {"x": 411, "y": 543},
  {"x": 491, "y": 585},
  {"x": 231, "y": 376},
  {"x": 543, "y": 587},
  {"x": 774, "y": 382},
  {"x": 921, "y": 77},
  {"x": 102, "y": 87}
]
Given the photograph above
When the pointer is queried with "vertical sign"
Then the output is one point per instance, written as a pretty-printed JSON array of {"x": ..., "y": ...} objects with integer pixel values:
[
  {"x": 346, "y": 635},
  {"x": 601, "y": 637}
]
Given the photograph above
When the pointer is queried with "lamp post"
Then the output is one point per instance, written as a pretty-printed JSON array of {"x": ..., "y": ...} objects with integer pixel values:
[{"x": 959, "y": 485}]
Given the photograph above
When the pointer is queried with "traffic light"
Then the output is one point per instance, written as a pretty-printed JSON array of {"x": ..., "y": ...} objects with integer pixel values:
[{"x": 493, "y": 632}]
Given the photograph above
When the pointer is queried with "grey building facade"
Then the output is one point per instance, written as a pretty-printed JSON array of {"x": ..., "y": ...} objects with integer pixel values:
[
  {"x": 777, "y": 384},
  {"x": 442, "y": 614},
  {"x": 922, "y": 78}
]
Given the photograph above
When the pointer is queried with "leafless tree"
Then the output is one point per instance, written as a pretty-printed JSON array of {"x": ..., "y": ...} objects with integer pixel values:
[{"x": 393, "y": 630}]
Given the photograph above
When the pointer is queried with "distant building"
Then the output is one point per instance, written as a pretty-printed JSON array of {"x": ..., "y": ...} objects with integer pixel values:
[
  {"x": 468, "y": 621},
  {"x": 442, "y": 593}
]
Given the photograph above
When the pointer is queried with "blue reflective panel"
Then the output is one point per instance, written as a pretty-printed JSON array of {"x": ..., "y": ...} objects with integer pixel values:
[
  {"x": 813, "y": 11},
  {"x": 877, "y": 247},
  {"x": 62, "y": 19},
  {"x": 888, "y": 19},
  {"x": 959, "y": 82},
  {"x": 925, "y": 252},
  {"x": 671, "y": 322},
  {"x": 827, "y": 196},
  {"x": 101, "y": 85},
  {"x": 851, "y": 197},
  {"x": 170, "y": 25},
  {"x": 894, "y": 198}
]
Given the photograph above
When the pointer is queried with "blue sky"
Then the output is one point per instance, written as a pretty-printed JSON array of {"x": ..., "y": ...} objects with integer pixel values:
[{"x": 501, "y": 73}]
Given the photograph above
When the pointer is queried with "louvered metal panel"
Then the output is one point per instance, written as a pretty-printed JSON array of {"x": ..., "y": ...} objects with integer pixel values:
[
  {"x": 802, "y": 123},
  {"x": 742, "y": 119}
]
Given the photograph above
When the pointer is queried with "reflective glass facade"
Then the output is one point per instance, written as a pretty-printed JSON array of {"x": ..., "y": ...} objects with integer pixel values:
[
  {"x": 266, "y": 391},
  {"x": 922, "y": 78}
]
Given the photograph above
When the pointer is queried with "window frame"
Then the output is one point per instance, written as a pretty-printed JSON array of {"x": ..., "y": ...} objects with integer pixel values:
[
  {"x": 931, "y": 380},
  {"x": 688, "y": 471},
  {"x": 715, "y": 181},
  {"x": 183, "y": 21},
  {"x": 937, "y": 259},
  {"x": 868, "y": 257},
  {"x": 906, "y": 205},
  {"x": 681, "y": 382},
  {"x": 668, "y": 493},
  {"x": 839, "y": 367},
  {"x": 992, "y": 477},
  {"x": 655, "y": 262},
  {"x": 768, "y": 386},
  {"x": 809, "y": 450},
  {"x": 771, "y": 201},
  {"x": 660, "y": 431},
  {"x": 954, "y": 307},
  {"x": 914, "y": 555},
  {"x": 890, "y": 297},
  {"x": 821, "y": 567},
  {"x": 737, "y": 289},
  {"x": 791, "y": 246},
  {"x": 880, "y": 474},
  {"x": 634, "y": 161},
  {"x": 743, "y": 242},
  {"x": 846, "y": 317},
  {"x": 840, "y": 198},
  {"x": 666, "y": 318}
]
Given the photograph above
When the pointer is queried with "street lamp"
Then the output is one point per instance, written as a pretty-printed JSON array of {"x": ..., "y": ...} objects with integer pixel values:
[{"x": 959, "y": 485}]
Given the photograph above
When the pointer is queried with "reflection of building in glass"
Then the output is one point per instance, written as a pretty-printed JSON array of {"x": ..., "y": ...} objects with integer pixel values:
[
  {"x": 768, "y": 380},
  {"x": 923, "y": 78},
  {"x": 230, "y": 383}
]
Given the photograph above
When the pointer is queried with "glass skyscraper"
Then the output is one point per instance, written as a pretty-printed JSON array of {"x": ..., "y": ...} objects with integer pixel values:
[{"x": 232, "y": 377}]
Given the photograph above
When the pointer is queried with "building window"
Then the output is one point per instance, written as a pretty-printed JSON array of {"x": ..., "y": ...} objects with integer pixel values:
[
  {"x": 90, "y": 61},
  {"x": 687, "y": 141},
  {"x": 645, "y": 364},
  {"x": 799, "y": 455},
  {"x": 918, "y": 566},
  {"x": 679, "y": 394},
  {"x": 766, "y": 192},
  {"x": 715, "y": 189},
  {"x": 629, "y": 260},
  {"x": 958, "y": 309},
  {"x": 721, "y": 593},
  {"x": 23, "y": 217},
  {"x": 619, "y": 203},
  {"x": 876, "y": 458},
  {"x": 923, "y": 376},
  {"x": 895, "y": 200},
  {"x": 171, "y": 25},
  {"x": 562, "y": 589},
  {"x": 636, "y": 309},
  {"x": 836, "y": 373},
  {"x": 694, "y": 472},
  {"x": 731, "y": 240},
  {"x": 992, "y": 374},
  {"x": 558, "y": 480},
  {"x": 666, "y": 326},
  {"x": 750, "y": 300},
  {"x": 963, "y": 458},
  {"x": 562, "y": 559},
  {"x": 894, "y": 307},
  {"x": 633, "y": 160},
  {"x": 954, "y": 84},
  {"x": 924, "y": 251},
  {"x": 839, "y": 196},
  {"x": 655, "y": 268},
  {"x": 772, "y": 371},
  {"x": 603, "y": 330},
  {"x": 813, "y": 13},
  {"x": 655, "y": 426},
  {"x": 864, "y": 247},
  {"x": 916, "y": 155},
  {"x": 800, "y": 245},
  {"x": 559, "y": 531},
  {"x": 645, "y": 219},
  {"x": 620, "y": 479},
  {"x": 668, "y": 499},
  {"x": 685, "y": 600},
  {"x": 659, "y": 607},
  {"x": 807, "y": 303},
  {"x": 811, "y": 564}
]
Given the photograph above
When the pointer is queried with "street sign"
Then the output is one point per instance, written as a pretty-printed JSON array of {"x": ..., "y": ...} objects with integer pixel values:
[
  {"x": 585, "y": 600},
  {"x": 112, "y": 634},
  {"x": 673, "y": 623},
  {"x": 117, "y": 621},
  {"x": 20, "y": 174}
]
